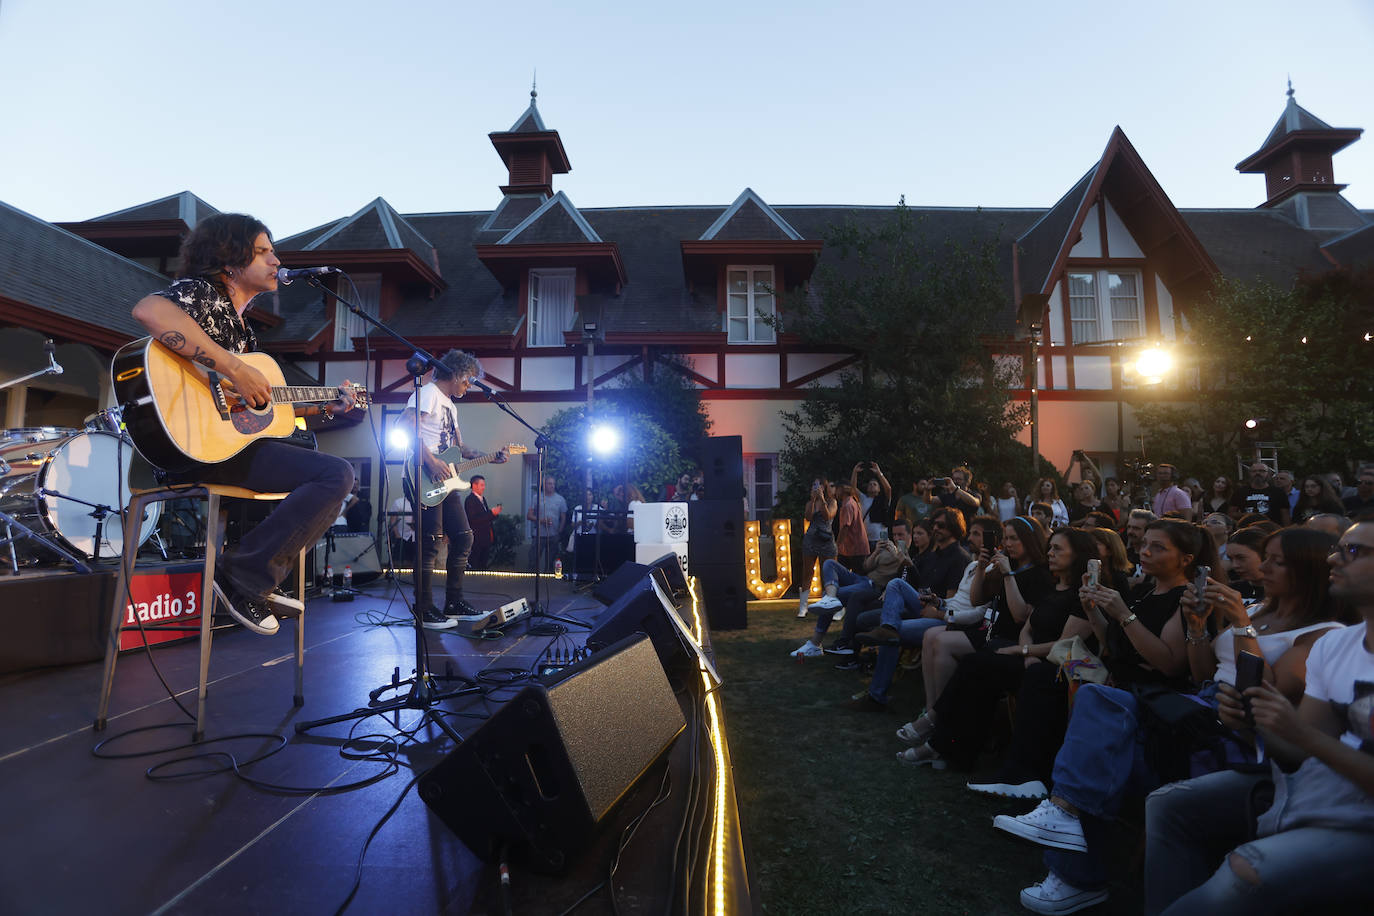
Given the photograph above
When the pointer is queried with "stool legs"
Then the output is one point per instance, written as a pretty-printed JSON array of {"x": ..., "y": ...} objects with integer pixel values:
[{"x": 121, "y": 590}]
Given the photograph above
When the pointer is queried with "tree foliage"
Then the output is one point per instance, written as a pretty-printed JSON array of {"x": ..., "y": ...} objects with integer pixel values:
[
  {"x": 926, "y": 393},
  {"x": 1294, "y": 359}
]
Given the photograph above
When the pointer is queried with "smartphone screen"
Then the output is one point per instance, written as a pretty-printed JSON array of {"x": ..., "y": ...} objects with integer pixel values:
[{"x": 1249, "y": 673}]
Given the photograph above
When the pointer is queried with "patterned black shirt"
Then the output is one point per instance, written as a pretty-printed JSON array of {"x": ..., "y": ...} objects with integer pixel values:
[{"x": 214, "y": 313}]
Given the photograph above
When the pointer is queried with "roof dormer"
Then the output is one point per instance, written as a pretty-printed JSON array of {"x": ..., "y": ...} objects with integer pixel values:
[{"x": 1296, "y": 156}]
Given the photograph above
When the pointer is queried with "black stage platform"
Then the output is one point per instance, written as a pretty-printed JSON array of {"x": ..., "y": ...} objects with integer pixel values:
[{"x": 84, "y": 834}]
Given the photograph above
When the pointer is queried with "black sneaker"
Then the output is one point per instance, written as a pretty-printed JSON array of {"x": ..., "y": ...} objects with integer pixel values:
[
  {"x": 839, "y": 647},
  {"x": 849, "y": 664},
  {"x": 252, "y": 613},
  {"x": 434, "y": 619},
  {"x": 457, "y": 607},
  {"x": 283, "y": 603}
]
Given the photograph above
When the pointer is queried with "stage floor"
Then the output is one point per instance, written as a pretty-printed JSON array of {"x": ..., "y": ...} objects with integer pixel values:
[{"x": 86, "y": 834}]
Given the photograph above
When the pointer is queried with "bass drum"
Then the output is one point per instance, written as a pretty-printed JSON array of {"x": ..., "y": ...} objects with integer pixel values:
[{"x": 88, "y": 467}]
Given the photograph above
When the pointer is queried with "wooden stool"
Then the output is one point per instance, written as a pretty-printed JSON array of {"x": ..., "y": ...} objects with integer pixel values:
[{"x": 142, "y": 497}]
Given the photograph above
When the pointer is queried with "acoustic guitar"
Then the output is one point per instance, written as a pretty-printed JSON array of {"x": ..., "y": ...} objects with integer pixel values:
[{"x": 180, "y": 413}]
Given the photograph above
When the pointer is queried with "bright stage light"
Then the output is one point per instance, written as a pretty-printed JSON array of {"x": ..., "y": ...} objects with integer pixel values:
[
  {"x": 1153, "y": 365},
  {"x": 398, "y": 439},
  {"x": 604, "y": 440}
]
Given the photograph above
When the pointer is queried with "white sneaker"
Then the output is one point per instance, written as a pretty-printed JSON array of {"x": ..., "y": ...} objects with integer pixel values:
[
  {"x": 1054, "y": 896},
  {"x": 808, "y": 650},
  {"x": 828, "y": 603},
  {"x": 801, "y": 610},
  {"x": 1032, "y": 789},
  {"x": 1048, "y": 825}
]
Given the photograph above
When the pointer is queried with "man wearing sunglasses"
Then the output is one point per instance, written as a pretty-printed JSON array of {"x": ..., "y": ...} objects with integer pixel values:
[{"x": 1311, "y": 845}]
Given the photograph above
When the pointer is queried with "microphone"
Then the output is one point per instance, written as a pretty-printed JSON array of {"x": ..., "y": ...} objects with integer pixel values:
[
  {"x": 285, "y": 276},
  {"x": 51, "y": 351},
  {"x": 483, "y": 386}
]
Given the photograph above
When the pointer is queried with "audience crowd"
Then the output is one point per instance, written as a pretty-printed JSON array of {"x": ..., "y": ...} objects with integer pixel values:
[{"x": 1191, "y": 660}]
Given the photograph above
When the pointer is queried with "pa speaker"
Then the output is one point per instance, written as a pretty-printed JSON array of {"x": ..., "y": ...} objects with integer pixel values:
[
  {"x": 717, "y": 527},
  {"x": 643, "y": 608},
  {"x": 724, "y": 593},
  {"x": 722, "y": 465},
  {"x": 546, "y": 769},
  {"x": 671, "y": 565},
  {"x": 609, "y": 590}
]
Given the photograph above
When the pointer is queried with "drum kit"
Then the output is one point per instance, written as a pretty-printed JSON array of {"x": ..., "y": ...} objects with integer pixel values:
[{"x": 63, "y": 490}]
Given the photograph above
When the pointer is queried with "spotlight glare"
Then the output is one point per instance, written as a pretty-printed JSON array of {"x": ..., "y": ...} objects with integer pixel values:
[
  {"x": 604, "y": 440},
  {"x": 398, "y": 439}
]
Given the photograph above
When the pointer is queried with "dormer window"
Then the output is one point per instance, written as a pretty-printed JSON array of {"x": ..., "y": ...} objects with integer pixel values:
[
  {"x": 348, "y": 325},
  {"x": 550, "y": 306},
  {"x": 1106, "y": 305},
  {"x": 749, "y": 297}
]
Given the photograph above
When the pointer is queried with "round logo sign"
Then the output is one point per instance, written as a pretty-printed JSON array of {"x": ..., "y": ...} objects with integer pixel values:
[{"x": 675, "y": 521}]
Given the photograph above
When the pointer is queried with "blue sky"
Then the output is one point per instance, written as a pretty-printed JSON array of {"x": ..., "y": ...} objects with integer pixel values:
[{"x": 300, "y": 111}]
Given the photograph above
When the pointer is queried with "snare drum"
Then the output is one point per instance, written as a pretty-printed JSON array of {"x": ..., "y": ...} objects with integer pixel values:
[
  {"x": 110, "y": 420},
  {"x": 90, "y": 466}
]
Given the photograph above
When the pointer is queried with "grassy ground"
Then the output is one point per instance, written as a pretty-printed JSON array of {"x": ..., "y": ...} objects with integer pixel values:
[{"x": 833, "y": 823}]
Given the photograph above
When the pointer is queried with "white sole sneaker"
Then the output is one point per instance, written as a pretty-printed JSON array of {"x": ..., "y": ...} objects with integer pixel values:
[
  {"x": 1035, "y": 789},
  {"x": 266, "y": 626}
]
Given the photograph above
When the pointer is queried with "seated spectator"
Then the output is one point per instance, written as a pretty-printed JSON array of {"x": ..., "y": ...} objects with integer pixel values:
[
  {"x": 866, "y": 614},
  {"x": 1360, "y": 506},
  {"x": 987, "y": 505},
  {"x": 1047, "y": 491},
  {"x": 939, "y": 574},
  {"x": 1103, "y": 758},
  {"x": 1044, "y": 514},
  {"x": 1219, "y": 526},
  {"x": 1334, "y": 525},
  {"x": 917, "y": 504},
  {"x": 851, "y": 540},
  {"x": 1246, "y": 550},
  {"x": 844, "y": 588},
  {"x": 1099, "y": 520},
  {"x": 1008, "y": 579},
  {"x": 1316, "y": 497},
  {"x": 875, "y": 498},
  {"x": 1137, "y": 520},
  {"x": 1195, "y": 493},
  {"x": 1169, "y": 496},
  {"x": 936, "y": 611},
  {"x": 1214, "y": 846},
  {"x": 1252, "y": 519},
  {"x": 1008, "y": 505},
  {"x": 964, "y": 712},
  {"x": 1284, "y": 481},
  {"x": 1218, "y": 498},
  {"x": 1085, "y": 500},
  {"x": 1261, "y": 496},
  {"x": 1116, "y": 566}
]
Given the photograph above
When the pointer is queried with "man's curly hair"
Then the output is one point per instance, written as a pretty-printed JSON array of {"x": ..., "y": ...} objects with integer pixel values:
[
  {"x": 457, "y": 362},
  {"x": 217, "y": 242}
]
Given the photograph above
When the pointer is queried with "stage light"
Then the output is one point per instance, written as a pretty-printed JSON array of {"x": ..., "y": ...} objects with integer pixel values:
[
  {"x": 1251, "y": 423},
  {"x": 604, "y": 439},
  {"x": 398, "y": 439},
  {"x": 1152, "y": 365}
]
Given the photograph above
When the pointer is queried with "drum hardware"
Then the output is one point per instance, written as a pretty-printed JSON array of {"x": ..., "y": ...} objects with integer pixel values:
[
  {"x": 98, "y": 512},
  {"x": 12, "y": 524},
  {"x": 52, "y": 367}
]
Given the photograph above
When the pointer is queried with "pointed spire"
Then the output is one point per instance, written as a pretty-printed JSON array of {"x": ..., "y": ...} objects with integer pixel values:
[
  {"x": 1296, "y": 156},
  {"x": 534, "y": 88}
]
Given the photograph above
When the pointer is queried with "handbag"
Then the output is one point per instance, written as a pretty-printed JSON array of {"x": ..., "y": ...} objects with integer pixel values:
[{"x": 1077, "y": 664}]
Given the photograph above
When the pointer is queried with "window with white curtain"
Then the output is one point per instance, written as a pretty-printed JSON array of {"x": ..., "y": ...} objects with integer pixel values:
[
  {"x": 761, "y": 483},
  {"x": 1106, "y": 305},
  {"x": 749, "y": 297},
  {"x": 550, "y": 306},
  {"x": 368, "y": 298}
]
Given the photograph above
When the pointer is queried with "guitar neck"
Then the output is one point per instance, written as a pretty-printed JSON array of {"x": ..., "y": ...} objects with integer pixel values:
[
  {"x": 294, "y": 394},
  {"x": 474, "y": 462}
]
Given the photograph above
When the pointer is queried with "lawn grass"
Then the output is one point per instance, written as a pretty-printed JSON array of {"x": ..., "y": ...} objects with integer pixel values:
[{"x": 833, "y": 823}]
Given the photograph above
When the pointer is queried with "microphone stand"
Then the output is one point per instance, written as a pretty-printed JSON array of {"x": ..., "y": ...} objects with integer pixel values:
[{"x": 425, "y": 690}]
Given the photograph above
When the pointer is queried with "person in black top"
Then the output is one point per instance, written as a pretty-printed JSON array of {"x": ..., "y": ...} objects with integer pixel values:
[
  {"x": 227, "y": 260},
  {"x": 1261, "y": 496},
  {"x": 1360, "y": 506}
]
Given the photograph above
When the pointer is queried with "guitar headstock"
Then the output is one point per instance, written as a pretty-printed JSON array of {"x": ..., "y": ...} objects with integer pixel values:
[
  {"x": 516, "y": 448},
  {"x": 361, "y": 399}
]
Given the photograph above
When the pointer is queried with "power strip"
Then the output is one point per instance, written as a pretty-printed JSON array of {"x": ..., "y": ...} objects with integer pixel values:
[{"x": 472, "y": 624}]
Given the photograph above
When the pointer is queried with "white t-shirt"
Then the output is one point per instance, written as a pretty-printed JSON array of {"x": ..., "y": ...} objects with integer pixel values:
[
  {"x": 1340, "y": 671},
  {"x": 874, "y": 529},
  {"x": 1271, "y": 646},
  {"x": 959, "y": 609},
  {"x": 438, "y": 419}
]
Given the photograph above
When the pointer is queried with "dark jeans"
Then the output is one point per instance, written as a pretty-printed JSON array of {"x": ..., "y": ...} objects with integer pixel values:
[
  {"x": 450, "y": 519},
  {"x": 317, "y": 485},
  {"x": 481, "y": 551},
  {"x": 967, "y": 705}
]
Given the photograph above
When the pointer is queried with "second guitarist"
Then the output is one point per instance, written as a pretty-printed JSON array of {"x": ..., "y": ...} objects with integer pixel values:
[{"x": 439, "y": 431}]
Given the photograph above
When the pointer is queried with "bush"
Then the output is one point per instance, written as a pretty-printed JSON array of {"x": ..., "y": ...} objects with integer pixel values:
[{"x": 507, "y": 534}]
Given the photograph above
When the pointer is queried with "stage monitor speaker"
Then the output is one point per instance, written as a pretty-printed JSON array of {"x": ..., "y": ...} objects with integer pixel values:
[
  {"x": 609, "y": 590},
  {"x": 722, "y": 464},
  {"x": 643, "y": 608},
  {"x": 671, "y": 565},
  {"x": 724, "y": 594},
  {"x": 717, "y": 531},
  {"x": 549, "y": 766}
]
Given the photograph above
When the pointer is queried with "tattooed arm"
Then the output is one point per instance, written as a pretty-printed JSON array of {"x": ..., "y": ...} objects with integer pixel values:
[{"x": 179, "y": 332}]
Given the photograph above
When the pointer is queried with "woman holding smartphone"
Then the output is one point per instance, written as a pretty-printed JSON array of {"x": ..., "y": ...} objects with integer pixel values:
[{"x": 818, "y": 543}]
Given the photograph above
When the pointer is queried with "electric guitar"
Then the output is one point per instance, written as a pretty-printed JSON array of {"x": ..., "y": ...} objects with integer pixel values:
[
  {"x": 433, "y": 492},
  {"x": 180, "y": 414}
]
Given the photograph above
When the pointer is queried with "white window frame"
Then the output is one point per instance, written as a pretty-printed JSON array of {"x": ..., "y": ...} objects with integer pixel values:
[
  {"x": 757, "y": 509},
  {"x": 348, "y": 325},
  {"x": 756, "y": 326},
  {"x": 534, "y": 318},
  {"x": 1102, "y": 303}
]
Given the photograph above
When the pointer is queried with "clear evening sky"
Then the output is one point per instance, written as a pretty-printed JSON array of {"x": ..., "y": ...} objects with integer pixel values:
[{"x": 301, "y": 111}]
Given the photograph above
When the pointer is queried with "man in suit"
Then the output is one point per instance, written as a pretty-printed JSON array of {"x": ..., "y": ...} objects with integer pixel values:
[{"x": 482, "y": 518}]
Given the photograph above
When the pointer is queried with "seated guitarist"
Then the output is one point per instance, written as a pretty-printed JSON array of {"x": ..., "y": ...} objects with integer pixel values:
[
  {"x": 438, "y": 432},
  {"x": 227, "y": 260}
]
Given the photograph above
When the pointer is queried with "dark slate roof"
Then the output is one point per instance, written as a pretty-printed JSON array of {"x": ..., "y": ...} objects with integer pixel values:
[
  {"x": 1252, "y": 245},
  {"x": 529, "y": 121},
  {"x": 1294, "y": 118},
  {"x": 1041, "y": 243},
  {"x": 185, "y": 206},
  {"x": 52, "y": 269},
  {"x": 555, "y": 221},
  {"x": 1354, "y": 249},
  {"x": 511, "y": 212},
  {"x": 750, "y": 218},
  {"x": 374, "y": 227}
]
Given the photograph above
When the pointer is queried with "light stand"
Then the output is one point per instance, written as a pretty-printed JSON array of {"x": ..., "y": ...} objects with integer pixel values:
[{"x": 424, "y": 693}]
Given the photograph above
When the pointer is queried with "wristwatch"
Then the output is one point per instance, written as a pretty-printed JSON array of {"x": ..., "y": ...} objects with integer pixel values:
[
  {"x": 1025, "y": 648},
  {"x": 1128, "y": 620},
  {"x": 1247, "y": 631}
]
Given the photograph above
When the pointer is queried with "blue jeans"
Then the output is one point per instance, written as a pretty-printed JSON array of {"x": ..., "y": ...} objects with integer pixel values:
[
  {"x": 910, "y": 633},
  {"x": 317, "y": 485},
  {"x": 847, "y": 584},
  {"x": 1192, "y": 829},
  {"x": 901, "y": 602},
  {"x": 1102, "y": 760}
]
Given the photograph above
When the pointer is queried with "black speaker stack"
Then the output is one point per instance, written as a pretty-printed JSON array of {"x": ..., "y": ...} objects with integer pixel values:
[{"x": 716, "y": 534}]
